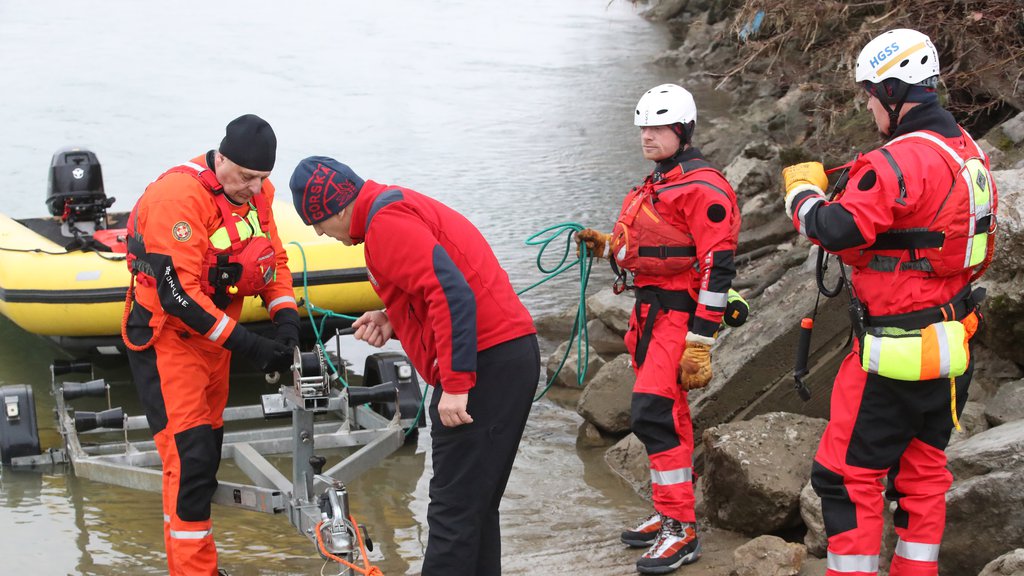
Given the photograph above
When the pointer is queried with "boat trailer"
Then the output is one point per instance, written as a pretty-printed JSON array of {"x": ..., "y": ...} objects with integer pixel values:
[{"x": 373, "y": 418}]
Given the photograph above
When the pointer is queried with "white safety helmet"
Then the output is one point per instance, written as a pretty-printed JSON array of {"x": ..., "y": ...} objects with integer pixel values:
[
  {"x": 903, "y": 54},
  {"x": 665, "y": 105}
]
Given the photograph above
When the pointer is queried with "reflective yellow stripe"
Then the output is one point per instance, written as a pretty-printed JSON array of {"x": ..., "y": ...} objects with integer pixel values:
[
  {"x": 899, "y": 57},
  {"x": 936, "y": 351},
  {"x": 246, "y": 227},
  {"x": 979, "y": 184},
  {"x": 852, "y": 563},
  {"x": 669, "y": 477},
  {"x": 917, "y": 551}
]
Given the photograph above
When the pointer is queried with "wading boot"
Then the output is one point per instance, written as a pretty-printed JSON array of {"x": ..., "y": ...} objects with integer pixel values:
[
  {"x": 675, "y": 545},
  {"x": 644, "y": 533}
]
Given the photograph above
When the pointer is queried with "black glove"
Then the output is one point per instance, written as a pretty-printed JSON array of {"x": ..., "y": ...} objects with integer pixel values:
[
  {"x": 287, "y": 323},
  {"x": 266, "y": 354}
]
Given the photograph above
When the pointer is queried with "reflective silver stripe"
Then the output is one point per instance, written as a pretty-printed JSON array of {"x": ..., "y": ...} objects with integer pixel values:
[
  {"x": 977, "y": 149},
  {"x": 219, "y": 329},
  {"x": 917, "y": 551},
  {"x": 167, "y": 518},
  {"x": 952, "y": 153},
  {"x": 970, "y": 221},
  {"x": 194, "y": 166},
  {"x": 804, "y": 209},
  {"x": 940, "y": 333},
  {"x": 278, "y": 301},
  {"x": 669, "y": 477},
  {"x": 875, "y": 355},
  {"x": 714, "y": 299},
  {"x": 852, "y": 563},
  {"x": 191, "y": 534},
  {"x": 965, "y": 174}
]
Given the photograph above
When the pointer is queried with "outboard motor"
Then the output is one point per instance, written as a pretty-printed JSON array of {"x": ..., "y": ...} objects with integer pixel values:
[{"x": 75, "y": 191}]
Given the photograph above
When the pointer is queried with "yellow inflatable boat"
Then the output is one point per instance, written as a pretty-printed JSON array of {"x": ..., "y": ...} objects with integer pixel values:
[{"x": 64, "y": 277}]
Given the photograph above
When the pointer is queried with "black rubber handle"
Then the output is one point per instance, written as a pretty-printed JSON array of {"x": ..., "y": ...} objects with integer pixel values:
[
  {"x": 386, "y": 392},
  {"x": 803, "y": 351}
]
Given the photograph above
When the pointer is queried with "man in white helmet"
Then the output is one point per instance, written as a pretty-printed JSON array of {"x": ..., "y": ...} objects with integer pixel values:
[
  {"x": 915, "y": 222},
  {"x": 676, "y": 236}
]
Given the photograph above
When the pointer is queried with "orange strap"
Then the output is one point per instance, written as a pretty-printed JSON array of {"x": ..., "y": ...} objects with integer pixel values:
[
  {"x": 367, "y": 569},
  {"x": 124, "y": 322}
]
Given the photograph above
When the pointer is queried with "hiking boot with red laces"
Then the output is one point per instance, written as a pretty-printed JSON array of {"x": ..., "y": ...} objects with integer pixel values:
[
  {"x": 675, "y": 545},
  {"x": 644, "y": 533}
]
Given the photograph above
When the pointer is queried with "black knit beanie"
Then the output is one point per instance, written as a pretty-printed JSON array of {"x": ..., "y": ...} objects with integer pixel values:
[{"x": 250, "y": 142}]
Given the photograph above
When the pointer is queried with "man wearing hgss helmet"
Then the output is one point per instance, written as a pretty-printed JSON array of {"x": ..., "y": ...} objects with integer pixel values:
[
  {"x": 915, "y": 221},
  {"x": 676, "y": 237}
]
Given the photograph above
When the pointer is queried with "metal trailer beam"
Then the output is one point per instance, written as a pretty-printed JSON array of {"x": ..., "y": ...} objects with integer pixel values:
[{"x": 136, "y": 465}]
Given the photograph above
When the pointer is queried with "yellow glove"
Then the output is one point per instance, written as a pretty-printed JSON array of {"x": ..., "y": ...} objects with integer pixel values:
[
  {"x": 695, "y": 365},
  {"x": 597, "y": 242},
  {"x": 812, "y": 173},
  {"x": 800, "y": 177}
]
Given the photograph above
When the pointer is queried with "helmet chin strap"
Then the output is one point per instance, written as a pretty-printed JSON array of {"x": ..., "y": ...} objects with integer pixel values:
[
  {"x": 892, "y": 94},
  {"x": 894, "y": 116}
]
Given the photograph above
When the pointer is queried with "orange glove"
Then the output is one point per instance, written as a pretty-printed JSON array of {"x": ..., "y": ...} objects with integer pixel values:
[
  {"x": 695, "y": 365},
  {"x": 597, "y": 242},
  {"x": 800, "y": 177}
]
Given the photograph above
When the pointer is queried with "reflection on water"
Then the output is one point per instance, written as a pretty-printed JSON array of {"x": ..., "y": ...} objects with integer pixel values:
[{"x": 518, "y": 114}]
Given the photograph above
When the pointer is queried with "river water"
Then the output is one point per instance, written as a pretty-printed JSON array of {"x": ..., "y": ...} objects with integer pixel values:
[{"x": 516, "y": 113}]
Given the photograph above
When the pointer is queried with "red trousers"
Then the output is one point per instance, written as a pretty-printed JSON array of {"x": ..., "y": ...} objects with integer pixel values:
[
  {"x": 183, "y": 384},
  {"x": 660, "y": 415},
  {"x": 883, "y": 428}
]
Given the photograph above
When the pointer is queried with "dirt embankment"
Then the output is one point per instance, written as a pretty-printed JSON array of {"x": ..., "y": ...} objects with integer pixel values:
[{"x": 754, "y": 48}]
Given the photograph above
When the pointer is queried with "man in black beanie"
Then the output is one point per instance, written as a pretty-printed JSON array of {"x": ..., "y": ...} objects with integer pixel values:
[{"x": 201, "y": 238}]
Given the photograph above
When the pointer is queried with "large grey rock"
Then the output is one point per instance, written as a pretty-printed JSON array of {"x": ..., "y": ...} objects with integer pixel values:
[
  {"x": 604, "y": 339},
  {"x": 1009, "y": 564},
  {"x": 984, "y": 517},
  {"x": 815, "y": 540},
  {"x": 628, "y": 459},
  {"x": 760, "y": 209},
  {"x": 588, "y": 436},
  {"x": 768, "y": 556},
  {"x": 606, "y": 400},
  {"x": 749, "y": 176},
  {"x": 568, "y": 376},
  {"x": 754, "y": 363},
  {"x": 1014, "y": 128},
  {"x": 996, "y": 449},
  {"x": 662, "y": 10},
  {"x": 1004, "y": 328},
  {"x": 972, "y": 422},
  {"x": 556, "y": 326},
  {"x": 990, "y": 372},
  {"x": 755, "y": 470},
  {"x": 772, "y": 233},
  {"x": 613, "y": 309},
  {"x": 1007, "y": 405}
]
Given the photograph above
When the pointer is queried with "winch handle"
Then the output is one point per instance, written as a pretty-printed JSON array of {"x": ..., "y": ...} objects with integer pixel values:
[{"x": 803, "y": 351}]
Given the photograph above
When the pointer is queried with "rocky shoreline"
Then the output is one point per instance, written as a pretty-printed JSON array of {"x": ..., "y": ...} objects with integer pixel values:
[{"x": 756, "y": 437}]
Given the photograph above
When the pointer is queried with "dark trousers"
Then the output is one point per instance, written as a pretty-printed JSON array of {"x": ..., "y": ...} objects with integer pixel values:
[{"x": 472, "y": 462}]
